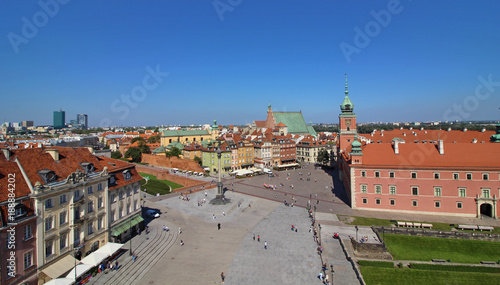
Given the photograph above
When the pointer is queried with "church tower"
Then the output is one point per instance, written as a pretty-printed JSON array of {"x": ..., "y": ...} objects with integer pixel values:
[{"x": 347, "y": 122}]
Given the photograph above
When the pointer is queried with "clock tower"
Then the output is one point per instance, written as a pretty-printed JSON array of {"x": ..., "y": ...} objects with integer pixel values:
[{"x": 347, "y": 122}]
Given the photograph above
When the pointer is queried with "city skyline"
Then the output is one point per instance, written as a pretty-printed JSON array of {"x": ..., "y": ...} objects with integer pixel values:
[{"x": 178, "y": 63}]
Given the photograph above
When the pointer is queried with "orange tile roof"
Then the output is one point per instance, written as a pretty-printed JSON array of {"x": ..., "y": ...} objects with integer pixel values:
[
  {"x": 280, "y": 125},
  {"x": 116, "y": 166},
  {"x": 426, "y": 155},
  {"x": 429, "y": 135}
]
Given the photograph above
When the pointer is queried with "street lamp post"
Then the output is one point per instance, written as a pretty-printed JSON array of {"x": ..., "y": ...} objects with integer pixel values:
[
  {"x": 130, "y": 222},
  {"x": 356, "y": 233},
  {"x": 74, "y": 254},
  {"x": 220, "y": 192}
]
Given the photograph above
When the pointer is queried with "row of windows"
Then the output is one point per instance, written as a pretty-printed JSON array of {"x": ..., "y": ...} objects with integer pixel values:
[
  {"x": 63, "y": 239},
  {"x": 121, "y": 194},
  {"x": 64, "y": 198},
  {"x": 456, "y": 176},
  {"x": 462, "y": 191},
  {"x": 414, "y": 203},
  {"x": 120, "y": 211}
]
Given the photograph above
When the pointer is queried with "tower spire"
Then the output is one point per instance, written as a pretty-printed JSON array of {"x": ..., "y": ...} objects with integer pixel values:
[{"x": 346, "y": 91}]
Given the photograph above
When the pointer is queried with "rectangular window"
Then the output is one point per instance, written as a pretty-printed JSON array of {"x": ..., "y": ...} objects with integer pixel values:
[
  {"x": 100, "y": 203},
  {"x": 129, "y": 192},
  {"x": 485, "y": 176},
  {"x": 365, "y": 201},
  {"x": 469, "y": 176},
  {"x": 112, "y": 216},
  {"x": 364, "y": 188},
  {"x": 363, "y": 173},
  {"x": 392, "y": 189},
  {"x": 113, "y": 198},
  {"x": 77, "y": 235},
  {"x": 377, "y": 201},
  {"x": 121, "y": 195},
  {"x": 89, "y": 190},
  {"x": 91, "y": 228},
  {"x": 455, "y": 176},
  {"x": 27, "y": 232},
  {"x": 414, "y": 203},
  {"x": 48, "y": 204},
  {"x": 100, "y": 223},
  {"x": 49, "y": 248},
  {"x": 393, "y": 202},
  {"x": 462, "y": 192},
  {"x": 90, "y": 206},
  {"x": 135, "y": 205},
  {"x": 377, "y": 174},
  {"x": 486, "y": 193},
  {"x": 414, "y": 175},
  {"x": 391, "y": 174},
  {"x": 414, "y": 191},
  {"x": 62, "y": 199},
  {"x": 48, "y": 223},
  {"x": 63, "y": 241},
  {"x": 136, "y": 190},
  {"x": 77, "y": 195},
  {"x": 378, "y": 189},
  {"x": 437, "y": 191},
  {"x": 459, "y": 205},
  {"x": 436, "y": 175},
  {"x": 437, "y": 204},
  {"x": 62, "y": 217},
  {"x": 28, "y": 259},
  {"x": 99, "y": 187}
]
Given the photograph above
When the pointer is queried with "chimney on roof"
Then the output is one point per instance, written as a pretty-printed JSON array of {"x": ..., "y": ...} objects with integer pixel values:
[
  {"x": 396, "y": 147},
  {"x": 404, "y": 134},
  {"x": 440, "y": 146},
  {"x": 465, "y": 129},
  {"x": 422, "y": 128},
  {"x": 449, "y": 129},
  {"x": 54, "y": 153},
  {"x": 483, "y": 130},
  {"x": 474, "y": 140},
  {"x": 7, "y": 153}
]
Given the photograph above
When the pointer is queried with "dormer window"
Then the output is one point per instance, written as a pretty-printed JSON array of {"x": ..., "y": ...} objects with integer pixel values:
[
  {"x": 112, "y": 180},
  {"x": 88, "y": 167},
  {"x": 47, "y": 175},
  {"x": 127, "y": 175},
  {"x": 20, "y": 211}
]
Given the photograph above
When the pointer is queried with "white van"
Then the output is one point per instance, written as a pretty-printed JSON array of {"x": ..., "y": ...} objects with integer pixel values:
[{"x": 267, "y": 171}]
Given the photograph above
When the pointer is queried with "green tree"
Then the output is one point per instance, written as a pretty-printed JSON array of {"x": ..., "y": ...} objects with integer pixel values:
[
  {"x": 116, "y": 155},
  {"x": 140, "y": 139},
  {"x": 154, "y": 139},
  {"x": 323, "y": 156},
  {"x": 134, "y": 153},
  {"x": 197, "y": 159},
  {"x": 173, "y": 152},
  {"x": 144, "y": 148}
]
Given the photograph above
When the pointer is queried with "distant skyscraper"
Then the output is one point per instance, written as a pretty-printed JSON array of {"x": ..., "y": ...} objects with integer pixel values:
[
  {"x": 27, "y": 124},
  {"x": 59, "y": 119},
  {"x": 82, "y": 120}
]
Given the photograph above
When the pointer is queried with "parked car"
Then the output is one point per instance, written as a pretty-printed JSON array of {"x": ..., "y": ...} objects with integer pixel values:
[{"x": 152, "y": 214}]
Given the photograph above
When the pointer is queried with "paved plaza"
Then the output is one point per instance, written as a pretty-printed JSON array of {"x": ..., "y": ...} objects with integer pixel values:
[{"x": 249, "y": 208}]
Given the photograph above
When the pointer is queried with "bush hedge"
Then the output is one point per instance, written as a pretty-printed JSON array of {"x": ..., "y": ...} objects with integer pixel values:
[
  {"x": 458, "y": 268},
  {"x": 385, "y": 264}
]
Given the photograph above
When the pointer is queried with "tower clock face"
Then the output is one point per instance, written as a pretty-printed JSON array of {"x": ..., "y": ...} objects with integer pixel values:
[{"x": 348, "y": 122}]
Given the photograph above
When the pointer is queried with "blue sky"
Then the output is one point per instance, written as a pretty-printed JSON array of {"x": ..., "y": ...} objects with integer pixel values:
[{"x": 190, "y": 62}]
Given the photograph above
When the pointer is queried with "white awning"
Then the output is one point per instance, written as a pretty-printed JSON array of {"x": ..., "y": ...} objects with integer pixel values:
[
  {"x": 59, "y": 267},
  {"x": 95, "y": 258},
  {"x": 109, "y": 248},
  {"x": 60, "y": 281},
  {"x": 80, "y": 270}
]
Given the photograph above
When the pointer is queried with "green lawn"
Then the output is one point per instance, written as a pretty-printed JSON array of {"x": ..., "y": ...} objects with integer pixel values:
[
  {"x": 378, "y": 275},
  {"x": 403, "y": 247},
  {"x": 155, "y": 185}
]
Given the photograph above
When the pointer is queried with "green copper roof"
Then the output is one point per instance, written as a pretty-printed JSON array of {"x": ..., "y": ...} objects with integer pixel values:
[
  {"x": 160, "y": 149},
  {"x": 356, "y": 147},
  {"x": 173, "y": 133},
  {"x": 347, "y": 106},
  {"x": 294, "y": 121}
]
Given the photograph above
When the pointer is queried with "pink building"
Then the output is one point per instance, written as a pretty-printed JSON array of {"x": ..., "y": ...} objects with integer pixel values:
[{"x": 459, "y": 176}]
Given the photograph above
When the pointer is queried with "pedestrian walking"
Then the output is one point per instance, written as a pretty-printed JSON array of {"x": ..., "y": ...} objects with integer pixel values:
[
  {"x": 116, "y": 265},
  {"x": 218, "y": 226},
  {"x": 180, "y": 231},
  {"x": 253, "y": 236},
  {"x": 265, "y": 244},
  {"x": 258, "y": 238},
  {"x": 222, "y": 276}
]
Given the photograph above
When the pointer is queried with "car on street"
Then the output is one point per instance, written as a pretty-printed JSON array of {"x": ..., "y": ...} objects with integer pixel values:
[{"x": 152, "y": 214}]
